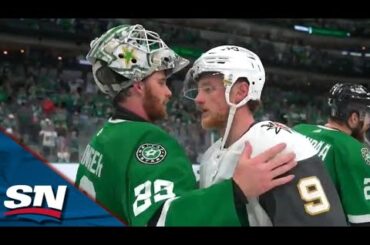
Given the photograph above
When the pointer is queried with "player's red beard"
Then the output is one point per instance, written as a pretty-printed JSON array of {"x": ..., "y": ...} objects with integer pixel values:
[
  {"x": 155, "y": 109},
  {"x": 214, "y": 120}
]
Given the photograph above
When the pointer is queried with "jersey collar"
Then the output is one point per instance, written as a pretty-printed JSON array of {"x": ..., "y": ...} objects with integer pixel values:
[{"x": 125, "y": 114}]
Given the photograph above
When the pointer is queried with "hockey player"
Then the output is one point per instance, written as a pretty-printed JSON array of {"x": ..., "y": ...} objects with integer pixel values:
[
  {"x": 226, "y": 83},
  {"x": 137, "y": 170},
  {"x": 340, "y": 145}
]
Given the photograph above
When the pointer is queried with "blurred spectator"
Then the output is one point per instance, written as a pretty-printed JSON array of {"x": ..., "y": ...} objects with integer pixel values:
[
  {"x": 49, "y": 137},
  {"x": 48, "y": 106},
  {"x": 58, "y": 100}
]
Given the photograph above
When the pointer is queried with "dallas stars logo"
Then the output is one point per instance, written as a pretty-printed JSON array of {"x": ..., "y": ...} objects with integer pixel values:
[
  {"x": 276, "y": 126},
  {"x": 366, "y": 155},
  {"x": 150, "y": 153}
]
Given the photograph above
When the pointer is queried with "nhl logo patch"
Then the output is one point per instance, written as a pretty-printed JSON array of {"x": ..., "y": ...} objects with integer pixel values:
[
  {"x": 150, "y": 153},
  {"x": 366, "y": 155}
]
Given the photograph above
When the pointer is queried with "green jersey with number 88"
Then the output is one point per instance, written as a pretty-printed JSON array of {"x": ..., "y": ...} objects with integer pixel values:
[{"x": 142, "y": 175}]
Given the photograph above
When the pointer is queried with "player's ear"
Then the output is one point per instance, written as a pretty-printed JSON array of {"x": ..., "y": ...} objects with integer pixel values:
[
  {"x": 244, "y": 89},
  {"x": 241, "y": 90},
  {"x": 353, "y": 119},
  {"x": 138, "y": 87}
]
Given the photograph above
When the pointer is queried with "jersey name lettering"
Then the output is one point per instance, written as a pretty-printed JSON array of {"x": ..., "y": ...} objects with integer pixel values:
[{"x": 92, "y": 160}]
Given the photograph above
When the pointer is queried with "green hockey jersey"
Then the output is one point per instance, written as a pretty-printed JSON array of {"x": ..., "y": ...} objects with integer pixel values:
[
  {"x": 142, "y": 175},
  {"x": 348, "y": 162}
]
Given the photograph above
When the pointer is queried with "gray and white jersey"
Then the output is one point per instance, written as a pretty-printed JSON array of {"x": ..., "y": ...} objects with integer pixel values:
[{"x": 310, "y": 199}]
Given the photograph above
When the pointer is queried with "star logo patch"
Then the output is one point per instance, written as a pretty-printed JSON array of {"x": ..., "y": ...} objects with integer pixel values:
[{"x": 150, "y": 153}]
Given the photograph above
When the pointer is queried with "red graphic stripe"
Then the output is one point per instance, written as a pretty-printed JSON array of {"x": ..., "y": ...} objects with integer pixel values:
[{"x": 42, "y": 211}]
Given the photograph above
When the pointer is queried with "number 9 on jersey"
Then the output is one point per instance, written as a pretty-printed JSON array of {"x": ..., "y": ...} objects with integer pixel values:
[{"x": 311, "y": 191}]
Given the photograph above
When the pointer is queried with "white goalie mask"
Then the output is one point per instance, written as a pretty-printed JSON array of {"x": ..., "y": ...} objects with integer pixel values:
[{"x": 132, "y": 53}]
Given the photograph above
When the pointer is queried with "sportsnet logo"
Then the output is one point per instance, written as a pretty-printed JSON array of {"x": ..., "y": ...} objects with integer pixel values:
[
  {"x": 24, "y": 199},
  {"x": 33, "y": 195}
]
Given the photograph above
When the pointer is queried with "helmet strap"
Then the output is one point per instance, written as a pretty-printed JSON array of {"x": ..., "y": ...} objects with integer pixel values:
[
  {"x": 232, "y": 111},
  {"x": 230, "y": 120}
]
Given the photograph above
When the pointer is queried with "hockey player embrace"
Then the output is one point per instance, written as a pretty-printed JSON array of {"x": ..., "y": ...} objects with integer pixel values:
[
  {"x": 137, "y": 170},
  {"x": 226, "y": 84}
]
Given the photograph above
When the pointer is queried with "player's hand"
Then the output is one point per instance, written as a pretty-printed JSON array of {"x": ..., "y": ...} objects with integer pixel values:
[{"x": 260, "y": 174}]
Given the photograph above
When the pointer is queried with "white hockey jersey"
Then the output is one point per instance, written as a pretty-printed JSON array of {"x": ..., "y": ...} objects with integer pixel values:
[{"x": 295, "y": 203}]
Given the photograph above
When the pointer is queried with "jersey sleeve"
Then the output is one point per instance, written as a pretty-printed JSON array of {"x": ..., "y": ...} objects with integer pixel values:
[
  {"x": 351, "y": 165},
  {"x": 163, "y": 191},
  {"x": 310, "y": 199},
  {"x": 347, "y": 161}
]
